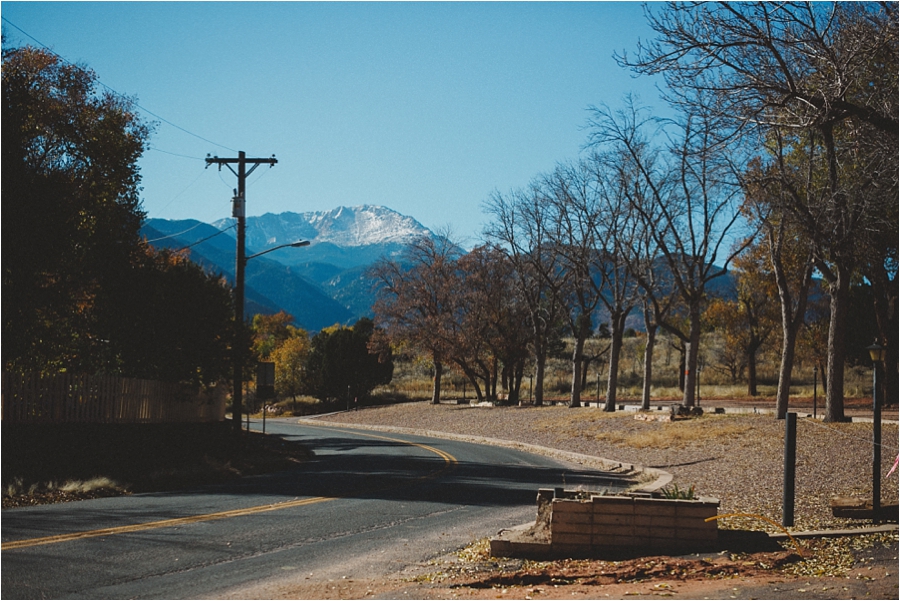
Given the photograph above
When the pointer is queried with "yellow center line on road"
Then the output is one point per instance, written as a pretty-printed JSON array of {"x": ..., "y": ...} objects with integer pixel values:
[
  {"x": 206, "y": 517},
  {"x": 449, "y": 463}
]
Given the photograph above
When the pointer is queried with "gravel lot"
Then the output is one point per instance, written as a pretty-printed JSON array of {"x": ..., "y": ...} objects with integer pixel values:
[{"x": 737, "y": 458}]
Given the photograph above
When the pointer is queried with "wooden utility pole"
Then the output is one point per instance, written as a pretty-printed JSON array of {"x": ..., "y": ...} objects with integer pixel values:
[{"x": 239, "y": 213}]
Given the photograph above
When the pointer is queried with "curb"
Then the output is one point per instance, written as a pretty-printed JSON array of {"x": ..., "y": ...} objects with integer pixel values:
[
  {"x": 837, "y": 533},
  {"x": 649, "y": 479}
]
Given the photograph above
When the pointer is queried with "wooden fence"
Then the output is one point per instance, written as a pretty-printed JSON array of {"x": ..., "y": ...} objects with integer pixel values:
[{"x": 71, "y": 398}]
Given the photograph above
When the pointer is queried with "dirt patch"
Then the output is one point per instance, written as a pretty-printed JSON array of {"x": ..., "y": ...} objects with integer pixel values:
[{"x": 786, "y": 574}]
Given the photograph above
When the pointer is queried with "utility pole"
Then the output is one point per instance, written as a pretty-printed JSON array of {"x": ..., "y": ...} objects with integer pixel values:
[{"x": 239, "y": 213}]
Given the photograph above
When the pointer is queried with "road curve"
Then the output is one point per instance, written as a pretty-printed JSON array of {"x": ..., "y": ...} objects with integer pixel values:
[{"x": 367, "y": 504}]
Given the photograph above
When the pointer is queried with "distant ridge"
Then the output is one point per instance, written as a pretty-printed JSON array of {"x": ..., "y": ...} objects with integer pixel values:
[{"x": 322, "y": 284}]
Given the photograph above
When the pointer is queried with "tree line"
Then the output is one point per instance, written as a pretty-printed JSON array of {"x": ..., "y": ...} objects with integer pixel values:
[
  {"x": 337, "y": 364},
  {"x": 82, "y": 291},
  {"x": 781, "y": 160}
]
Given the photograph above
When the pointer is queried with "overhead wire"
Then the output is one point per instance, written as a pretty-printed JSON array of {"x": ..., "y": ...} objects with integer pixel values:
[
  {"x": 185, "y": 189},
  {"x": 175, "y": 154},
  {"x": 130, "y": 101},
  {"x": 178, "y": 234},
  {"x": 218, "y": 233}
]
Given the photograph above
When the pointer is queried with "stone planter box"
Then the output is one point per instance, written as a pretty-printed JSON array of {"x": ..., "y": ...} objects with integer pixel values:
[
  {"x": 602, "y": 523},
  {"x": 582, "y": 524}
]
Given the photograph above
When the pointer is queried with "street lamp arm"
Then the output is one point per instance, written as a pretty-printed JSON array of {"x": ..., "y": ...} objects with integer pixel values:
[{"x": 297, "y": 244}]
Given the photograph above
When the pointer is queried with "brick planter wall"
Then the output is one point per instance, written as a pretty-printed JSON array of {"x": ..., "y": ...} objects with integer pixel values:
[{"x": 610, "y": 523}]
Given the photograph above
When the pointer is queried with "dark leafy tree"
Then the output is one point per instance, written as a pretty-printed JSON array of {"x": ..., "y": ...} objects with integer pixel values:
[
  {"x": 341, "y": 366},
  {"x": 71, "y": 209},
  {"x": 169, "y": 319},
  {"x": 81, "y": 290}
]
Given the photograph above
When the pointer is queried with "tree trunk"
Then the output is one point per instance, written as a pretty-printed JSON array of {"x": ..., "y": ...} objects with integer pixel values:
[
  {"x": 839, "y": 290},
  {"x": 885, "y": 296},
  {"x": 436, "y": 389},
  {"x": 788, "y": 344},
  {"x": 491, "y": 383},
  {"x": 751, "y": 374},
  {"x": 693, "y": 352},
  {"x": 648, "y": 366},
  {"x": 540, "y": 364},
  {"x": 575, "y": 400},
  {"x": 791, "y": 319},
  {"x": 612, "y": 382},
  {"x": 585, "y": 372},
  {"x": 473, "y": 379},
  {"x": 515, "y": 384}
]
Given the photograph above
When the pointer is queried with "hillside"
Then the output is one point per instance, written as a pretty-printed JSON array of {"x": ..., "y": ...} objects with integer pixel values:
[{"x": 321, "y": 284}]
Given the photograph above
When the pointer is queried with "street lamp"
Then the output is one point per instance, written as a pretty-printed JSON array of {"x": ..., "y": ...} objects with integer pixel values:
[
  {"x": 238, "y": 383},
  {"x": 877, "y": 354},
  {"x": 297, "y": 244}
]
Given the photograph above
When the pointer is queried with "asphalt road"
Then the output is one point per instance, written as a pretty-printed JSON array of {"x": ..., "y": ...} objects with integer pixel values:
[{"x": 368, "y": 504}]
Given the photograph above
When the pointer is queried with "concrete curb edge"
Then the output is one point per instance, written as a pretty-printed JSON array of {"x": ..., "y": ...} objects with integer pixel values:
[{"x": 649, "y": 478}]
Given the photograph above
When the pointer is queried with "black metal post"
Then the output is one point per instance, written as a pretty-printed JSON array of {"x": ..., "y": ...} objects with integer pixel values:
[
  {"x": 790, "y": 460},
  {"x": 876, "y": 444},
  {"x": 815, "y": 388}
]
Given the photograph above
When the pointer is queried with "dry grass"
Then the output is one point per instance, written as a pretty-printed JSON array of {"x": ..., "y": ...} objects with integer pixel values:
[
  {"x": 619, "y": 428},
  {"x": 677, "y": 435},
  {"x": 413, "y": 378},
  {"x": 87, "y": 486}
]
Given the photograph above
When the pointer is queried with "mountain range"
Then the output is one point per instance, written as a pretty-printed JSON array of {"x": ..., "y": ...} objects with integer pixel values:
[
  {"x": 320, "y": 284},
  {"x": 326, "y": 282}
]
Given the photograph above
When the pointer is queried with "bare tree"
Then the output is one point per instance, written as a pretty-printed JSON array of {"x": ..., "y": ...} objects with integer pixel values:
[
  {"x": 493, "y": 345},
  {"x": 618, "y": 233},
  {"x": 415, "y": 299},
  {"x": 520, "y": 229},
  {"x": 791, "y": 255},
  {"x": 826, "y": 71},
  {"x": 689, "y": 207},
  {"x": 571, "y": 193}
]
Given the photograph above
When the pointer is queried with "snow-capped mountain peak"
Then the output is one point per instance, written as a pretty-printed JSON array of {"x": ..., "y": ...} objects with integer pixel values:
[{"x": 347, "y": 227}]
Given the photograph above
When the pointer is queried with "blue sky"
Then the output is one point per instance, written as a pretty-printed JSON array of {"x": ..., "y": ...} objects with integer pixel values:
[{"x": 425, "y": 108}]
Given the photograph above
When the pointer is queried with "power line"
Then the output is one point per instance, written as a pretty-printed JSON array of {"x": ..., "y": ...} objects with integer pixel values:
[
  {"x": 120, "y": 95},
  {"x": 192, "y": 244},
  {"x": 185, "y": 189},
  {"x": 178, "y": 234},
  {"x": 175, "y": 154}
]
